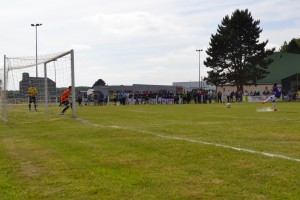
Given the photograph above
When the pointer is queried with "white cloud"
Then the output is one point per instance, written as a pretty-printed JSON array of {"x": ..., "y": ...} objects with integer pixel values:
[{"x": 137, "y": 24}]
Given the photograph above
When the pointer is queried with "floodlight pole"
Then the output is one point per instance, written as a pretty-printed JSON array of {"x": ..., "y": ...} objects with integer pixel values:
[
  {"x": 199, "y": 50},
  {"x": 36, "y": 64}
]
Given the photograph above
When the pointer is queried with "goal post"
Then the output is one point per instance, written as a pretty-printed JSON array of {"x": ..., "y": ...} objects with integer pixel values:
[
  {"x": 3, "y": 83},
  {"x": 71, "y": 52},
  {"x": 19, "y": 73}
]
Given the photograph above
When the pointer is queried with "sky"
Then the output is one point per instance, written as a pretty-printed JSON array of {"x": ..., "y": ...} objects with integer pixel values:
[{"x": 127, "y": 42}]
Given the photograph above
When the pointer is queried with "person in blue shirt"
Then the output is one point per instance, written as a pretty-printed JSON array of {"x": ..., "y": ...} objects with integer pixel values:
[{"x": 275, "y": 95}]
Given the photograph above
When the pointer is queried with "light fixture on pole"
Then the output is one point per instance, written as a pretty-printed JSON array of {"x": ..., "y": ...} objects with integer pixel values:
[
  {"x": 36, "y": 65},
  {"x": 199, "y": 50}
]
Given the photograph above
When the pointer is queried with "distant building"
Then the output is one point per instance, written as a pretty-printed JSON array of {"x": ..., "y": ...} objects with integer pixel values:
[
  {"x": 284, "y": 65},
  {"x": 194, "y": 85},
  {"x": 39, "y": 83},
  {"x": 137, "y": 87}
]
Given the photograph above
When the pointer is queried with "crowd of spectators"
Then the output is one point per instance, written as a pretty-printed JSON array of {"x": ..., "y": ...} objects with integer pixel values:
[
  {"x": 195, "y": 96},
  {"x": 147, "y": 97}
]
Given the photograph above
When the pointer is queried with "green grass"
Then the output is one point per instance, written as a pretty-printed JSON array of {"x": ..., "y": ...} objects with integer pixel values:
[{"x": 152, "y": 152}]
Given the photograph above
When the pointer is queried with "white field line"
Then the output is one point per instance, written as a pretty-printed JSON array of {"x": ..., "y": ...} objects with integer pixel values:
[{"x": 195, "y": 141}]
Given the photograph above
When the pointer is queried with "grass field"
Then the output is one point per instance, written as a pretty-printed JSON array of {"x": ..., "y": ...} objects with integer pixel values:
[{"x": 152, "y": 152}]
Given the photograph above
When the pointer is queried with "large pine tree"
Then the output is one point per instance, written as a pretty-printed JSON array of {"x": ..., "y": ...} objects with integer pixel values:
[{"x": 235, "y": 54}]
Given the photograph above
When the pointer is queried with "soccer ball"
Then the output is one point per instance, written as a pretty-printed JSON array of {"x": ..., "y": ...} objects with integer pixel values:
[{"x": 228, "y": 105}]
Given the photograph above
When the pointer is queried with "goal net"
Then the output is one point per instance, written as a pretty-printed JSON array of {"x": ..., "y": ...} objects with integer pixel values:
[{"x": 49, "y": 74}]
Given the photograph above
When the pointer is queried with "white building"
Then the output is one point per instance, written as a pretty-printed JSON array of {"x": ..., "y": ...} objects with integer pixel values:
[{"x": 194, "y": 85}]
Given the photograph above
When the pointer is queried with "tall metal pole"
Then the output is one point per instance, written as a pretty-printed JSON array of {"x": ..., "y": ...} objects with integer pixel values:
[
  {"x": 36, "y": 63},
  {"x": 55, "y": 83},
  {"x": 199, "y": 50},
  {"x": 46, "y": 86},
  {"x": 73, "y": 85},
  {"x": 4, "y": 91}
]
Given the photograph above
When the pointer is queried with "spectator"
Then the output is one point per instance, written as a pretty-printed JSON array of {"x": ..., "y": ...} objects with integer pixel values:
[
  {"x": 79, "y": 98},
  {"x": 219, "y": 97},
  {"x": 228, "y": 96}
]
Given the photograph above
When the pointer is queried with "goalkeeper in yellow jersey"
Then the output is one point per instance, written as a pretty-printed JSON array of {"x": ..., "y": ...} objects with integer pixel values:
[{"x": 32, "y": 92}]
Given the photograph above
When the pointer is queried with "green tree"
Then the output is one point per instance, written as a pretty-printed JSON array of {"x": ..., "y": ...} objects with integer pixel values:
[
  {"x": 99, "y": 82},
  {"x": 235, "y": 54},
  {"x": 292, "y": 47},
  {"x": 283, "y": 47}
]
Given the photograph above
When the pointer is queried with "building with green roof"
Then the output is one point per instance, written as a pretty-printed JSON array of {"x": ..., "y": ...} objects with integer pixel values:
[
  {"x": 284, "y": 65},
  {"x": 284, "y": 70}
]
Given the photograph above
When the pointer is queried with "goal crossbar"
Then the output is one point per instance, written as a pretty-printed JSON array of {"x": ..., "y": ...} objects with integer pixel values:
[{"x": 40, "y": 62}]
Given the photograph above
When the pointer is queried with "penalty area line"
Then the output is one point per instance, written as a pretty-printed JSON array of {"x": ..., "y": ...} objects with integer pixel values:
[{"x": 195, "y": 141}]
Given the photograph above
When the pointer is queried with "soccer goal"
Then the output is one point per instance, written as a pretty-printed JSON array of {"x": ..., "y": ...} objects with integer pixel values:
[{"x": 49, "y": 74}]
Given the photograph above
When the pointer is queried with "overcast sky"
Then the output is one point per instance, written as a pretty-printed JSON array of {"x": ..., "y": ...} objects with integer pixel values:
[{"x": 127, "y": 42}]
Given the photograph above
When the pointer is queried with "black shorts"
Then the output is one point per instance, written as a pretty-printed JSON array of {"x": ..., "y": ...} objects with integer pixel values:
[
  {"x": 66, "y": 103},
  {"x": 32, "y": 99}
]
